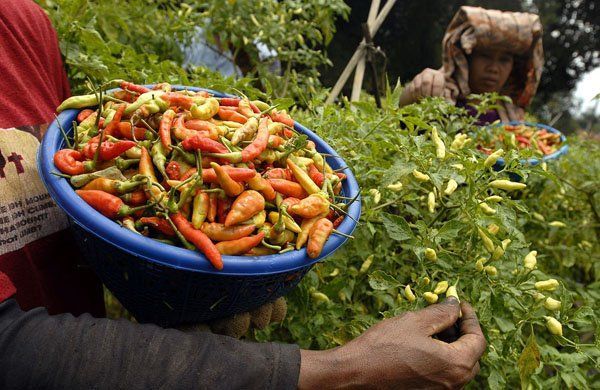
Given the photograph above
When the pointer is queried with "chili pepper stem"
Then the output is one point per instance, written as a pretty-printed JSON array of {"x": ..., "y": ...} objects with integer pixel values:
[
  {"x": 275, "y": 247},
  {"x": 339, "y": 210},
  {"x": 75, "y": 135},
  {"x": 342, "y": 234},
  {"x": 61, "y": 175},
  {"x": 64, "y": 133}
]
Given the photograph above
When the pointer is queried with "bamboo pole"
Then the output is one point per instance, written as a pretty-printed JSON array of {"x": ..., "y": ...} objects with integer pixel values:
[
  {"x": 359, "y": 73},
  {"x": 360, "y": 51}
]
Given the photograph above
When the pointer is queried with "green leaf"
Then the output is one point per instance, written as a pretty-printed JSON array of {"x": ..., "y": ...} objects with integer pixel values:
[
  {"x": 397, "y": 227},
  {"x": 379, "y": 280},
  {"x": 449, "y": 231},
  {"x": 529, "y": 361}
]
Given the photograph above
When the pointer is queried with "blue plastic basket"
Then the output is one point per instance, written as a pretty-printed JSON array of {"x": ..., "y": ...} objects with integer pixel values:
[
  {"x": 168, "y": 285},
  {"x": 535, "y": 161}
]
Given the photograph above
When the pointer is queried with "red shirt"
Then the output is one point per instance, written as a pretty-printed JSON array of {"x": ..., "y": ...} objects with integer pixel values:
[{"x": 37, "y": 251}]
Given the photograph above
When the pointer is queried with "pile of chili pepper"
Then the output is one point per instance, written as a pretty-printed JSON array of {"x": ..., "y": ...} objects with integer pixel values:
[
  {"x": 225, "y": 176},
  {"x": 521, "y": 136}
]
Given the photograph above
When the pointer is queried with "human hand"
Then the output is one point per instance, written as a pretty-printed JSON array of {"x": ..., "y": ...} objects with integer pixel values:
[
  {"x": 429, "y": 82},
  {"x": 401, "y": 352}
]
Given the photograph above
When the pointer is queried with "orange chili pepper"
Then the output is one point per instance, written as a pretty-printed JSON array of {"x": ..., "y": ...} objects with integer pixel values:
[
  {"x": 288, "y": 188},
  {"x": 246, "y": 206},
  {"x": 164, "y": 129},
  {"x": 230, "y": 186},
  {"x": 219, "y": 232},
  {"x": 311, "y": 206},
  {"x": 239, "y": 246},
  {"x": 318, "y": 235}
]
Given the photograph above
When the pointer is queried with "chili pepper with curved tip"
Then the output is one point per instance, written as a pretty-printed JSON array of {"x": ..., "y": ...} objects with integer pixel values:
[
  {"x": 199, "y": 142},
  {"x": 278, "y": 173},
  {"x": 247, "y": 204},
  {"x": 199, "y": 239},
  {"x": 229, "y": 185},
  {"x": 111, "y": 128},
  {"x": 128, "y": 86},
  {"x": 239, "y": 246},
  {"x": 220, "y": 232},
  {"x": 318, "y": 235},
  {"x": 108, "y": 150},
  {"x": 176, "y": 99},
  {"x": 160, "y": 224},
  {"x": 164, "y": 128},
  {"x": 159, "y": 157},
  {"x": 69, "y": 161},
  {"x": 109, "y": 205},
  {"x": 288, "y": 188},
  {"x": 206, "y": 110},
  {"x": 305, "y": 227},
  {"x": 80, "y": 101}
]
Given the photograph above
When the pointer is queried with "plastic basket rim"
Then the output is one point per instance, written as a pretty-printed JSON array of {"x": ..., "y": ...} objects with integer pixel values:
[
  {"x": 533, "y": 160},
  {"x": 150, "y": 250}
]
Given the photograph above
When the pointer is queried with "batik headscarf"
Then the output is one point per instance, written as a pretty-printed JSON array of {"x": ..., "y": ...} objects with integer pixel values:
[{"x": 515, "y": 32}]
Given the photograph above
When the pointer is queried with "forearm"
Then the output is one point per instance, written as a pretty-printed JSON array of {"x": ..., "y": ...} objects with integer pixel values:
[
  {"x": 42, "y": 351},
  {"x": 328, "y": 370}
]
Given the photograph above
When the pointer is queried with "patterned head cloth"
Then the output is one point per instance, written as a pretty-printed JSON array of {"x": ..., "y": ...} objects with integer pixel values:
[{"x": 515, "y": 32}]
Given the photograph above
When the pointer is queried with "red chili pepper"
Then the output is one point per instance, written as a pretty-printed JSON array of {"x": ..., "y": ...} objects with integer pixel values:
[
  {"x": 111, "y": 128},
  {"x": 239, "y": 246},
  {"x": 231, "y": 115},
  {"x": 199, "y": 124},
  {"x": 109, "y": 205},
  {"x": 199, "y": 239},
  {"x": 545, "y": 149},
  {"x": 523, "y": 140},
  {"x": 287, "y": 133},
  {"x": 231, "y": 102},
  {"x": 316, "y": 175},
  {"x": 275, "y": 141},
  {"x": 108, "y": 150},
  {"x": 259, "y": 144},
  {"x": 69, "y": 161},
  {"x": 125, "y": 96},
  {"x": 160, "y": 224},
  {"x": 288, "y": 188},
  {"x": 223, "y": 206},
  {"x": 237, "y": 174},
  {"x": 178, "y": 100},
  {"x": 279, "y": 173},
  {"x": 220, "y": 232},
  {"x": 135, "y": 198},
  {"x": 84, "y": 114},
  {"x": 173, "y": 170},
  {"x": 133, "y": 87},
  {"x": 338, "y": 221},
  {"x": 204, "y": 144},
  {"x": 164, "y": 128}
]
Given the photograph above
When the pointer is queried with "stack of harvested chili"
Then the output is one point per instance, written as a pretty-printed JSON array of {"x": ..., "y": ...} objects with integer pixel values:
[
  {"x": 507, "y": 137},
  {"x": 222, "y": 175}
]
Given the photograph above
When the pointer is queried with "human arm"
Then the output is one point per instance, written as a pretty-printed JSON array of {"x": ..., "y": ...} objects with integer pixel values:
[
  {"x": 429, "y": 82},
  {"x": 401, "y": 353},
  {"x": 58, "y": 352}
]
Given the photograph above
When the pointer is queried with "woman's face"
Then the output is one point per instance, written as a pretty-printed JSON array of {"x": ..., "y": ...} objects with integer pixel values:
[{"x": 489, "y": 70}]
